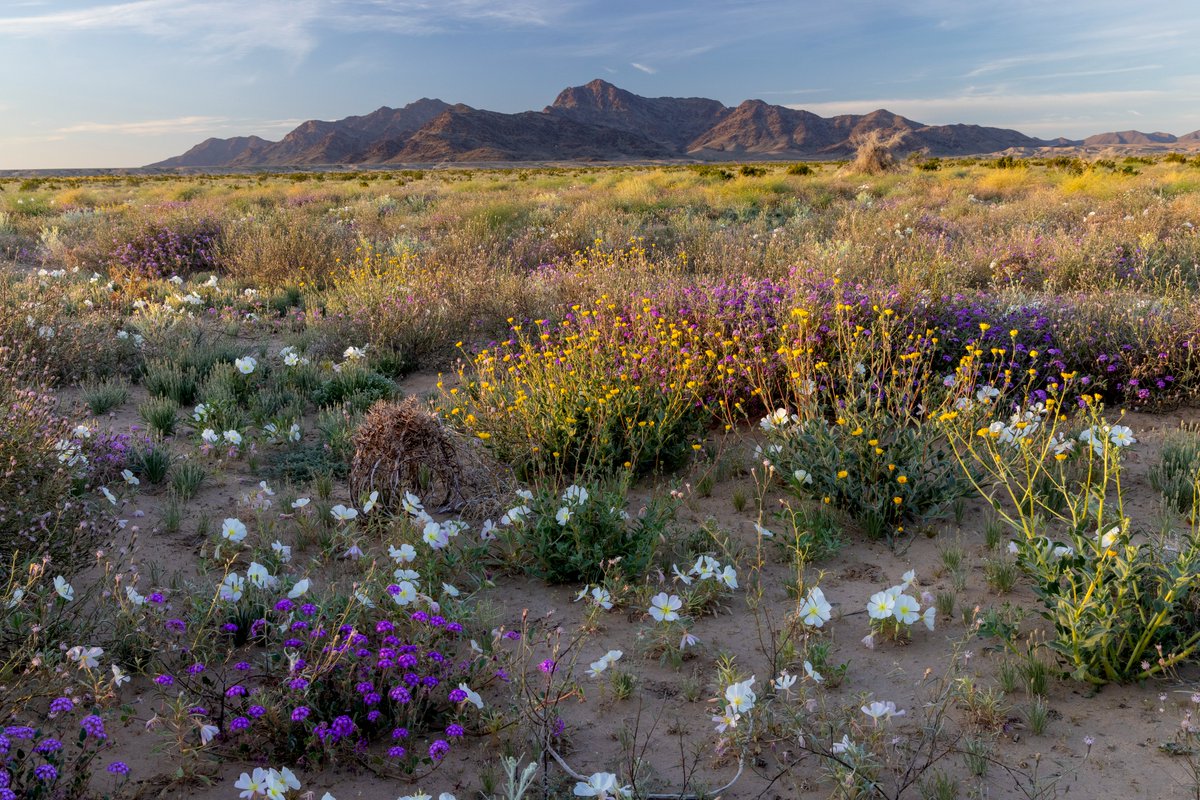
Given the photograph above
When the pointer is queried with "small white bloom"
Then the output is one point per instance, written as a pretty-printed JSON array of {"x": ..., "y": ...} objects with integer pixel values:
[
  {"x": 664, "y": 607},
  {"x": 233, "y": 529},
  {"x": 245, "y": 365},
  {"x": 64, "y": 589},
  {"x": 300, "y": 588},
  {"x": 343, "y": 514}
]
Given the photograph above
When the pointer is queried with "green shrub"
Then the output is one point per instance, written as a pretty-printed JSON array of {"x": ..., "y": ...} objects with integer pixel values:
[
  {"x": 105, "y": 395},
  {"x": 359, "y": 387},
  {"x": 152, "y": 462},
  {"x": 168, "y": 379},
  {"x": 186, "y": 479},
  {"x": 161, "y": 414},
  {"x": 574, "y": 537},
  {"x": 1177, "y": 474}
]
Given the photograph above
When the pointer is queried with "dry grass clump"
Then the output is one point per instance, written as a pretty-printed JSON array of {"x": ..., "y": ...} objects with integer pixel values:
[
  {"x": 401, "y": 447},
  {"x": 874, "y": 152}
]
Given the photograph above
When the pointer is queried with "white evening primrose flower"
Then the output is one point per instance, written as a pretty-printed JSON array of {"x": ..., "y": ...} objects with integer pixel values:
[
  {"x": 245, "y": 365},
  {"x": 232, "y": 437},
  {"x": 784, "y": 682},
  {"x": 472, "y": 696},
  {"x": 112, "y": 498},
  {"x": 130, "y": 478},
  {"x": 86, "y": 657},
  {"x": 402, "y": 574},
  {"x": 64, "y": 589},
  {"x": 281, "y": 550},
  {"x": 906, "y": 609},
  {"x": 575, "y": 495},
  {"x": 134, "y": 597},
  {"x": 596, "y": 668},
  {"x": 209, "y": 436},
  {"x": 435, "y": 536},
  {"x": 842, "y": 746},
  {"x": 705, "y": 567},
  {"x": 1121, "y": 436},
  {"x": 878, "y": 710},
  {"x": 371, "y": 501},
  {"x": 343, "y": 514},
  {"x": 208, "y": 733},
  {"x": 450, "y": 589},
  {"x": 741, "y": 696},
  {"x": 233, "y": 529},
  {"x": 260, "y": 576},
  {"x": 930, "y": 617},
  {"x": 812, "y": 673},
  {"x": 602, "y": 598},
  {"x": 300, "y": 588},
  {"x": 294, "y": 432},
  {"x": 405, "y": 594},
  {"x": 525, "y": 495},
  {"x": 687, "y": 640},
  {"x": 763, "y": 532},
  {"x": 728, "y": 577},
  {"x": 602, "y": 786},
  {"x": 354, "y": 353},
  {"x": 488, "y": 532},
  {"x": 815, "y": 610},
  {"x": 119, "y": 676},
  {"x": 411, "y": 504},
  {"x": 908, "y": 578},
  {"x": 803, "y": 476},
  {"x": 404, "y": 554},
  {"x": 726, "y": 719},
  {"x": 300, "y": 502},
  {"x": 232, "y": 588},
  {"x": 664, "y": 607},
  {"x": 881, "y": 605},
  {"x": 564, "y": 515},
  {"x": 1109, "y": 538},
  {"x": 686, "y": 579}
]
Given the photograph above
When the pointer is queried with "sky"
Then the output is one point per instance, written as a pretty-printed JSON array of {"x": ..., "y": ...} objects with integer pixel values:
[{"x": 98, "y": 83}]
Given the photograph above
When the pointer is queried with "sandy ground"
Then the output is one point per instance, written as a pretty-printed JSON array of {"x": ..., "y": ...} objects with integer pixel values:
[{"x": 1127, "y": 722}]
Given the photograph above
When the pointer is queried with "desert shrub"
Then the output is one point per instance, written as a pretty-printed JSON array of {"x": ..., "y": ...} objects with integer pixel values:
[
  {"x": 1116, "y": 600},
  {"x": 402, "y": 449},
  {"x": 578, "y": 535},
  {"x": 165, "y": 378},
  {"x": 358, "y": 386},
  {"x": 151, "y": 462},
  {"x": 1176, "y": 474},
  {"x": 283, "y": 246},
  {"x": 103, "y": 396},
  {"x": 861, "y": 438},
  {"x": 45, "y": 467},
  {"x": 154, "y": 248},
  {"x": 874, "y": 152},
  {"x": 71, "y": 327},
  {"x": 595, "y": 395},
  {"x": 161, "y": 414},
  {"x": 799, "y": 169}
]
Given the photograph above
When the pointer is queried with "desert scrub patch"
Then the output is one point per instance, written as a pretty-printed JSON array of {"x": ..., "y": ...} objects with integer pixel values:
[
  {"x": 597, "y": 395},
  {"x": 579, "y": 534},
  {"x": 46, "y": 468},
  {"x": 1177, "y": 474},
  {"x": 357, "y": 386},
  {"x": 862, "y": 438}
]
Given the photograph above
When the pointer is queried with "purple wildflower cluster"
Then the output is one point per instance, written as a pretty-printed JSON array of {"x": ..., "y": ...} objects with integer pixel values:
[
  {"x": 160, "y": 250},
  {"x": 40, "y": 761},
  {"x": 340, "y": 687}
]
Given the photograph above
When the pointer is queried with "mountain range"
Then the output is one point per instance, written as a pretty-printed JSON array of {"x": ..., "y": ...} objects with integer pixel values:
[{"x": 600, "y": 122}]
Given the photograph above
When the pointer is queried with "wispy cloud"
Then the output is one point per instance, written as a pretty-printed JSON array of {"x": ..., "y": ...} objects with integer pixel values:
[
  {"x": 150, "y": 127},
  {"x": 643, "y": 68},
  {"x": 292, "y": 26}
]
